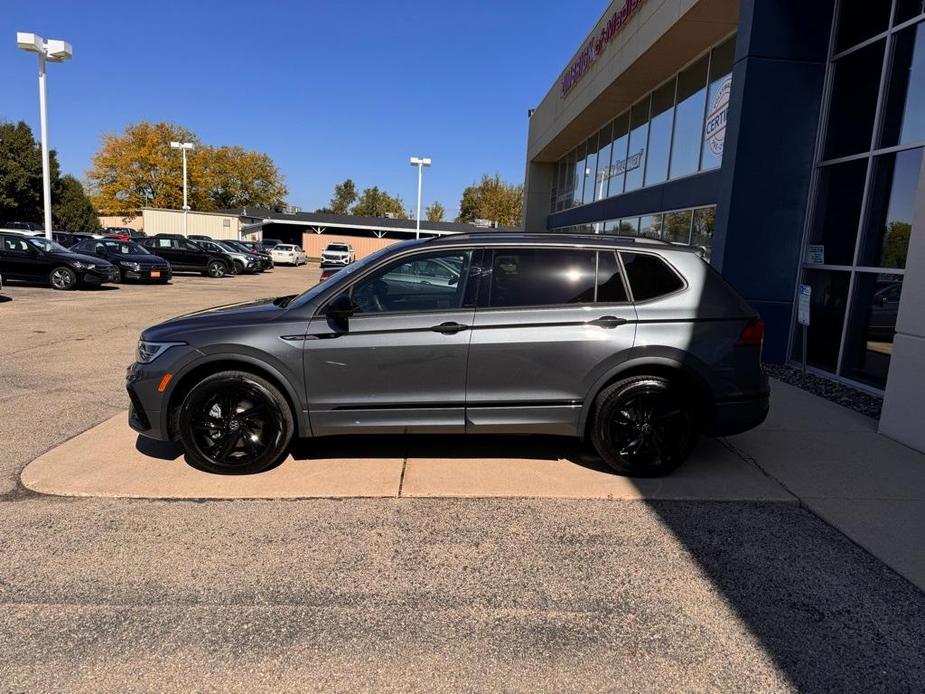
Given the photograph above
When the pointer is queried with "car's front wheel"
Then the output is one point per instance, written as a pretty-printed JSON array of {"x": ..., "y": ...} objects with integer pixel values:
[
  {"x": 236, "y": 423},
  {"x": 62, "y": 278},
  {"x": 215, "y": 268},
  {"x": 643, "y": 426}
]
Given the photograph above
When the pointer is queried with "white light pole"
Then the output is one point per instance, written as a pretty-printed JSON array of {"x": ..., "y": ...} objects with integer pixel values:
[
  {"x": 54, "y": 51},
  {"x": 419, "y": 162},
  {"x": 184, "y": 147}
]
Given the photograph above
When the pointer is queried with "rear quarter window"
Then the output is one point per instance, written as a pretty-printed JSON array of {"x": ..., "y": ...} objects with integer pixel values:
[{"x": 649, "y": 276}]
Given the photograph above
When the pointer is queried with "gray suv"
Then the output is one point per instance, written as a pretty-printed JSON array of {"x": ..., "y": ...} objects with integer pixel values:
[{"x": 634, "y": 344}]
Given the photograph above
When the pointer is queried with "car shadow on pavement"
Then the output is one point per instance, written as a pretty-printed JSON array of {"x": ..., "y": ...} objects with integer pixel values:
[{"x": 533, "y": 447}]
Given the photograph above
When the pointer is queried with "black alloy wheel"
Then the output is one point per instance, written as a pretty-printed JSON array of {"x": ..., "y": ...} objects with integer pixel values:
[
  {"x": 62, "y": 278},
  {"x": 215, "y": 268},
  {"x": 235, "y": 423},
  {"x": 643, "y": 426}
]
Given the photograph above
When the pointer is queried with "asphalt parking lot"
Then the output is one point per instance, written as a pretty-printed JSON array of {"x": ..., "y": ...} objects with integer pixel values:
[{"x": 399, "y": 593}]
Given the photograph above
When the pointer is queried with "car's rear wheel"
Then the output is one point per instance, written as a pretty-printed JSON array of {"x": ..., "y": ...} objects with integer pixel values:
[
  {"x": 62, "y": 278},
  {"x": 236, "y": 423},
  {"x": 643, "y": 426},
  {"x": 215, "y": 268}
]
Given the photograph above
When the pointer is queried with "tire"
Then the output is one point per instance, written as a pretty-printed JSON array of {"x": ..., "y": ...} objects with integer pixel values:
[
  {"x": 216, "y": 269},
  {"x": 62, "y": 278},
  {"x": 235, "y": 423},
  {"x": 643, "y": 426},
  {"x": 238, "y": 268}
]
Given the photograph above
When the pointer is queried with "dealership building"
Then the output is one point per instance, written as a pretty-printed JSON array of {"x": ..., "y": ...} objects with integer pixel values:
[{"x": 784, "y": 138}]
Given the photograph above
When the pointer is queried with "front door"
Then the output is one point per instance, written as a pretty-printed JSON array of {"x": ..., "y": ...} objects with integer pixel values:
[
  {"x": 550, "y": 323},
  {"x": 398, "y": 363}
]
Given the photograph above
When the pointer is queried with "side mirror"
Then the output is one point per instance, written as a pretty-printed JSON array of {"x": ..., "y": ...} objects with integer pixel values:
[{"x": 340, "y": 310}]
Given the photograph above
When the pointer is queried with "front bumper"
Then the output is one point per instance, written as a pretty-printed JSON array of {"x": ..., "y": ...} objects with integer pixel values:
[
  {"x": 99, "y": 275},
  {"x": 148, "y": 273}
]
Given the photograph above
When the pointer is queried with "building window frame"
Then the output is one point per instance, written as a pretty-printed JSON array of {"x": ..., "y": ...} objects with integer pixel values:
[{"x": 873, "y": 151}]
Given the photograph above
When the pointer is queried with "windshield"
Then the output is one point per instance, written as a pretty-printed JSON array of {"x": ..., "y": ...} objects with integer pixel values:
[
  {"x": 336, "y": 247},
  {"x": 46, "y": 245},
  {"x": 124, "y": 248},
  {"x": 350, "y": 270},
  {"x": 225, "y": 246}
]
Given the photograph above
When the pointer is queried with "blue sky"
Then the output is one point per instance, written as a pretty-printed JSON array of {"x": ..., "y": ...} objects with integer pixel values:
[{"x": 330, "y": 90}]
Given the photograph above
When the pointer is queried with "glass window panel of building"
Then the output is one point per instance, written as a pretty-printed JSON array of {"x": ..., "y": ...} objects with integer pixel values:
[
  {"x": 853, "y": 101},
  {"x": 854, "y": 306},
  {"x": 721, "y": 59},
  {"x": 908, "y": 9},
  {"x": 604, "y": 137},
  {"x": 660, "y": 133},
  {"x": 579, "y": 168},
  {"x": 639, "y": 136},
  {"x": 688, "y": 121},
  {"x": 617, "y": 175},
  {"x": 859, "y": 20},
  {"x": 891, "y": 205},
  {"x": 590, "y": 170},
  {"x": 904, "y": 113}
]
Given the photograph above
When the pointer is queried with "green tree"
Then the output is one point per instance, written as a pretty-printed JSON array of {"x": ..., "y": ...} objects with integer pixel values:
[
  {"x": 345, "y": 195},
  {"x": 373, "y": 202},
  {"x": 21, "y": 174},
  {"x": 435, "y": 212},
  {"x": 236, "y": 177},
  {"x": 71, "y": 208},
  {"x": 896, "y": 244},
  {"x": 492, "y": 199}
]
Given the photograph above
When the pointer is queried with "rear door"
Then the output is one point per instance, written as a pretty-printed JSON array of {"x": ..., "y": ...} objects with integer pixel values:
[
  {"x": 400, "y": 364},
  {"x": 550, "y": 322},
  {"x": 20, "y": 259}
]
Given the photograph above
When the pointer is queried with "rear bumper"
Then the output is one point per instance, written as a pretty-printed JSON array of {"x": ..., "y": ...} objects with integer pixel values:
[{"x": 735, "y": 416}]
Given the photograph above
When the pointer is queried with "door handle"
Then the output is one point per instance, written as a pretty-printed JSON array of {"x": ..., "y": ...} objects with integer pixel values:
[
  {"x": 608, "y": 322},
  {"x": 449, "y": 328}
]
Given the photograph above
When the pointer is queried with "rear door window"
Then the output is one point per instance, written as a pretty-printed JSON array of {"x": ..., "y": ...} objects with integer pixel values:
[
  {"x": 649, "y": 276},
  {"x": 541, "y": 277}
]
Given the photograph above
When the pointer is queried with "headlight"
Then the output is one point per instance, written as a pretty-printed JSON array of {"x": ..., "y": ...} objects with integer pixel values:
[
  {"x": 149, "y": 351},
  {"x": 83, "y": 266},
  {"x": 134, "y": 267}
]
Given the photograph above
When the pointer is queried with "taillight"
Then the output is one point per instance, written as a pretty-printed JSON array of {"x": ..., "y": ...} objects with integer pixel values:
[{"x": 752, "y": 333}]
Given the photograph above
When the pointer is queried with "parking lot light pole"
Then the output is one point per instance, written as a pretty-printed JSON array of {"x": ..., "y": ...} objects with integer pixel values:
[
  {"x": 53, "y": 51},
  {"x": 419, "y": 162},
  {"x": 184, "y": 147}
]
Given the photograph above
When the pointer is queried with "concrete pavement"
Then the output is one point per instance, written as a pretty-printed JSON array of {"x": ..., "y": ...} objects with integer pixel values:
[{"x": 110, "y": 460}]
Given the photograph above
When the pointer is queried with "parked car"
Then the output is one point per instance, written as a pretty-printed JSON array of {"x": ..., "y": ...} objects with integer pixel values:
[
  {"x": 188, "y": 256},
  {"x": 132, "y": 260},
  {"x": 199, "y": 237},
  {"x": 337, "y": 253},
  {"x": 288, "y": 254},
  {"x": 243, "y": 262},
  {"x": 263, "y": 256},
  {"x": 634, "y": 344},
  {"x": 269, "y": 243},
  {"x": 125, "y": 233},
  {"x": 69, "y": 238},
  {"x": 328, "y": 272},
  {"x": 23, "y": 226},
  {"x": 36, "y": 259}
]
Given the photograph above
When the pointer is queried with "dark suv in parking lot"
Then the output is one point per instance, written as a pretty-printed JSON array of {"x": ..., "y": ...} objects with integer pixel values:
[
  {"x": 636, "y": 345},
  {"x": 189, "y": 256}
]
